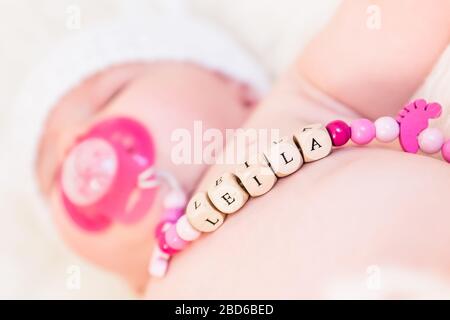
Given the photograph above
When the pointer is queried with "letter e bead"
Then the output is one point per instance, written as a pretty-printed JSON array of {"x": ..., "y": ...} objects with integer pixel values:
[
  {"x": 314, "y": 142},
  {"x": 227, "y": 195},
  {"x": 202, "y": 215}
]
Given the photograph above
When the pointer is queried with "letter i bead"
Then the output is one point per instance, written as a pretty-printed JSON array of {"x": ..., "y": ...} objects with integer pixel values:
[{"x": 256, "y": 176}]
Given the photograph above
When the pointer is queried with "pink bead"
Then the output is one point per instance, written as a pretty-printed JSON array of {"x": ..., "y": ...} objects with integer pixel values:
[
  {"x": 363, "y": 131},
  {"x": 164, "y": 246},
  {"x": 431, "y": 140},
  {"x": 173, "y": 240},
  {"x": 162, "y": 227},
  {"x": 172, "y": 214},
  {"x": 387, "y": 129},
  {"x": 446, "y": 151},
  {"x": 339, "y": 132}
]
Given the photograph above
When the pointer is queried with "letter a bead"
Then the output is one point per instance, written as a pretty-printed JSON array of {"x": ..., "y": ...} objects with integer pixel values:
[
  {"x": 314, "y": 141},
  {"x": 256, "y": 176},
  {"x": 284, "y": 157},
  {"x": 202, "y": 215},
  {"x": 227, "y": 195}
]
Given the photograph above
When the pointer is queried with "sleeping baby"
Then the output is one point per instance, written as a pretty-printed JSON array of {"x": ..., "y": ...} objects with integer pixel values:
[{"x": 107, "y": 104}]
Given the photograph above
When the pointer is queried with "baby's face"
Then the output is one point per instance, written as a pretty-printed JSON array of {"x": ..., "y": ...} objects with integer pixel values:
[{"x": 104, "y": 132}]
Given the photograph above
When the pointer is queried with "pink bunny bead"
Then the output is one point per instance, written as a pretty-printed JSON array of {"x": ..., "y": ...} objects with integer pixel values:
[{"x": 413, "y": 119}]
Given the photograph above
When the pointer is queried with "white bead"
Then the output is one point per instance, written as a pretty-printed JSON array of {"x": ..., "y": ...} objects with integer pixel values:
[
  {"x": 174, "y": 200},
  {"x": 387, "y": 129},
  {"x": 158, "y": 268},
  {"x": 159, "y": 263},
  {"x": 185, "y": 230},
  {"x": 431, "y": 140}
]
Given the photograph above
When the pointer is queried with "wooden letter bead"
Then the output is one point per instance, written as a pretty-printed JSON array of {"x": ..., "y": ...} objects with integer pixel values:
[
  {"x": 314, "y": 141},
  {"x": 284, "y": 157},
  {"x": 202, "y": 215},
  {"x": 227, "y": 195},
  {"x": 256, "y": 176}
]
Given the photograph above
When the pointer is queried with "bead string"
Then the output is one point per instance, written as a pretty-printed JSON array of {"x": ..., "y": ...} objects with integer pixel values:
[{"x": 206, "y": 211}]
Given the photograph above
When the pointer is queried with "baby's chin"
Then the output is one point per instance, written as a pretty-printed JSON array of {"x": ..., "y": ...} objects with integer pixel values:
[{"x": 167, "y": 97}]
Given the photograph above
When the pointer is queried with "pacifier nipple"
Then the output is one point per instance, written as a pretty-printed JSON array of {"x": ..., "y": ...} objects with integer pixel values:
[{"x": 89, "y": 171}]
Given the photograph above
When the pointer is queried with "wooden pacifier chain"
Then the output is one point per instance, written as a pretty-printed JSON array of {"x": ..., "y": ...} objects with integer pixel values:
[{"x": 206, "y": 211}]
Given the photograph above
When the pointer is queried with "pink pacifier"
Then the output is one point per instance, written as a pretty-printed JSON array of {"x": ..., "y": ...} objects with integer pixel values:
[{"x": 99, "y": 179}]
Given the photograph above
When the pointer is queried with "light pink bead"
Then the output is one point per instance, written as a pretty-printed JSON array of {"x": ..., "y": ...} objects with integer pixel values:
[
  {"x": 172, "y": 214},
  {"x": 164, "y": 246},
  {"x": 363, "y": 131},
  {"x": 446, "y": 151},
  {"x": 387, "y": 129},
  {"x": 173, "y": 239},
  {"x": 431, "y": 140},
  {"x": 185, "y": 230},
  {"x": 162, "y": 227}
]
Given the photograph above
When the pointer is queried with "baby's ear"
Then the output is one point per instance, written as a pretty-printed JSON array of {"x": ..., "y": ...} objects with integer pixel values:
[{"x": 249, "y": 96}]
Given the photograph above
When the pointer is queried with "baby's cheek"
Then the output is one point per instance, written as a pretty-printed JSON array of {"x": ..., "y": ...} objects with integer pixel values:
[{"x": 178, "y": 98}]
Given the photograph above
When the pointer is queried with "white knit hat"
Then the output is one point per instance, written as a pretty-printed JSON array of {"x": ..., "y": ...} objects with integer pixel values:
[{"x": 177, "y": 36}]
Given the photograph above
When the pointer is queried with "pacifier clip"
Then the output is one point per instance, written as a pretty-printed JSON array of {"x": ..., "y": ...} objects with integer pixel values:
[{"x": 206, "y": 211}]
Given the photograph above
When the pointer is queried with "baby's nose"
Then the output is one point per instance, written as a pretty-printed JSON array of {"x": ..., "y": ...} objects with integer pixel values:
[{"x": 89, "y": 171}]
